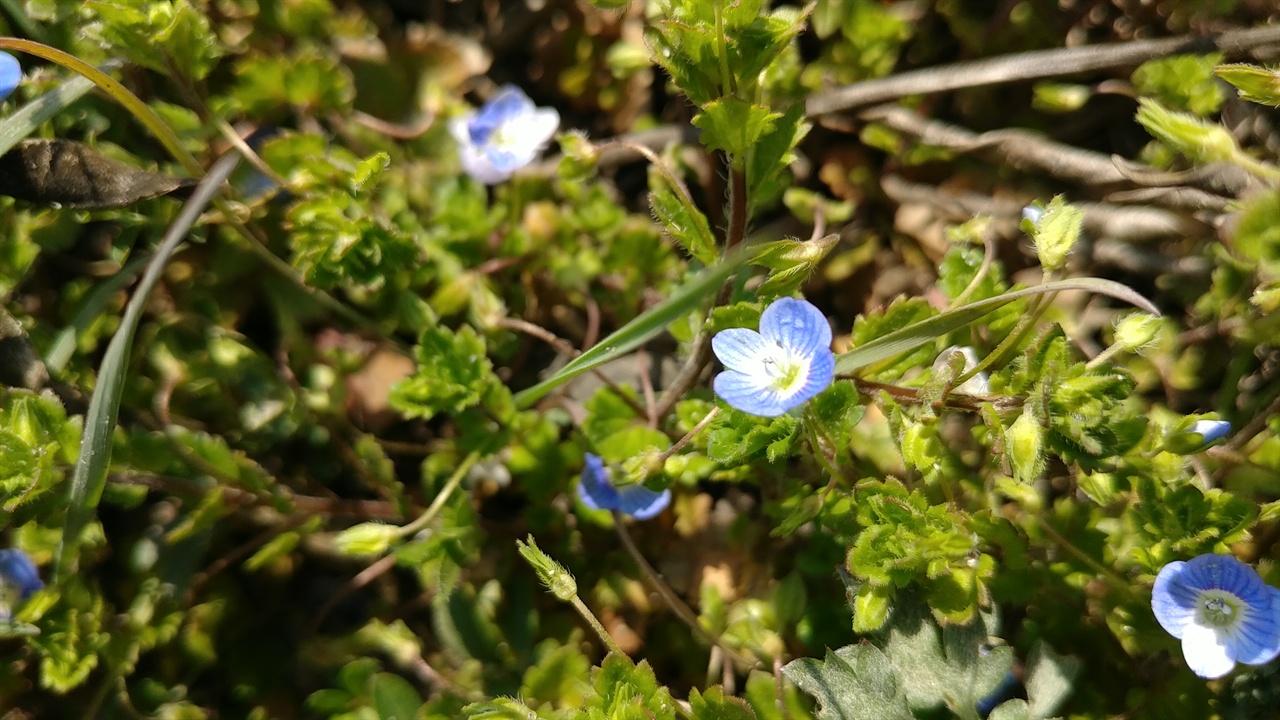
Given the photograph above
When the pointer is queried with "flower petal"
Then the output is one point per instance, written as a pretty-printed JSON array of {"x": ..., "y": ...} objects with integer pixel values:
[
  {"x": 508, "y": 103},
  {"x": 746, "y": 393},
  {"x": 19, "y": 573},
  {"x": 1206, "y": 652},
  {"x": 741, "y": 349},
  {"x": 1259, "y": 632},
  {"x": 1224, "y": 572},
  {"x": 1173, "y": 603},
  {"x": 594, "y": 487},
  {"x": 642, "y": 503},
  {"x": 796, "y": 324},
  {"x": 822, "y": 368},
  {"x": 10, "y": 74}
]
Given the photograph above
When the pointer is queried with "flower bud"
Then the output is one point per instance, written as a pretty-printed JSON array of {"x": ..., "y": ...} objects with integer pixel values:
[
  {"x": 1024, "y": 441},
  {"x": 367, "y": 539},
  {"x": 1056, "y": 232},
  {"x": 1193, "y": 436},
  {"x": 1136, "y": 330},
  {"x": 552, "y": 574}
]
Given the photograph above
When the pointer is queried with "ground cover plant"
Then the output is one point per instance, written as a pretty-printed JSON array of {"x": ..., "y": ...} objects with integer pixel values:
[{"x": 698, "y": 359}]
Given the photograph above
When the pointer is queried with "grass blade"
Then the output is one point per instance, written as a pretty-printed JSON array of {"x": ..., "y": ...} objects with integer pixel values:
[
  {"x": 925, "y": 331},
  {"x": 644, "y": 327},
  {"x": 21, "y": 124},
  {"x": 100, "y": 422}
]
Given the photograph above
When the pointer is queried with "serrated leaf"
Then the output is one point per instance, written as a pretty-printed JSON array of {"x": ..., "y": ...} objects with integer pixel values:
[
  {"x": 871, "y": 608},
  {"x": 734, "y": 126},
  {"x": 772, "y": 154},
  {"x": 369, "y": 171},
  {"x": 953, "y": 666},
  {"x": 452, "y": 374},
  {"x": 838, "y": 409},
  {"x": 713, "y": 704},
  {"x": 855, "y": 682},
  {"x": 736, "y": 437}
]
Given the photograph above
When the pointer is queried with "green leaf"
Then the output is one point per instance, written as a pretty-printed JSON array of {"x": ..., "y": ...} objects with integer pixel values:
[
  {"x": 736, "y": 437},
  {"x": 500, "y": 709},
  {"x": 1049, "y": 678},
  {"x": 369, "y": 171},
  {"x": 715, "y": 705},
  {"x": 773, "y": 154},
  {"x": 952, "y": 667},
  {"x": 925, "y": 331},
  {"x": 394, "y": 698},
  {"x": 1016, "y": 709},
  {"x": 1185, "y": 82},
  {"x": 682, "y": 220},
  {"x": 625, "y": 690},
  {"x": 855, "y": 682},
  {"x": 26, "y": 119},
  {"x": 838, "y": 409},
  {"x": 871, "y": 608},
  {"x": 643, "y": 327},
  {"x": 734, "y": 126},
  {"x": 452, "y": 374}
]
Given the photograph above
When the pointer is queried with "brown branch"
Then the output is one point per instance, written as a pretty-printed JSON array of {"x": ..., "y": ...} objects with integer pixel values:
[{"x": 1033, "y": 66}]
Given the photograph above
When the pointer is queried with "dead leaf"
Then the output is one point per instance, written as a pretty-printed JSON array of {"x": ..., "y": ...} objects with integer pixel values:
[{"x": 69, "y": 174}]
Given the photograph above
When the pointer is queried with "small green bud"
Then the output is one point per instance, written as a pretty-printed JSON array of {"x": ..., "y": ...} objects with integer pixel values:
[
  {"x": 1199, "y": 140},
  {"x": 1267, "y": 297},
  {"x": 1056, "y": 232},
  {"x": 1136, "y": 330},
  {"x": 917, "y": 444},
  {"x": 551, "y": 573},
  {"x": 1060, "y": 97},
  {"x": 578, "y": 157},
  {"x": 1024, "y": 441},
  {"x": 367, "y": 539},
  {"x": 1255, "y": 84},
  {"x": 642, "y": 466}
]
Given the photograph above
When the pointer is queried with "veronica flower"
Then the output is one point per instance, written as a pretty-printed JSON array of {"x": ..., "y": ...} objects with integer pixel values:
[
  {"x": 504, "y": 136},
  {"x": 10, "y": 74},
  {"x": 789, "y": 361},
  {"x": 1221, "y": 610},
  {"x": 18, "y": 580},
  {"x": 598, "y": 493},
  {"x": 1211, "y": 430}
]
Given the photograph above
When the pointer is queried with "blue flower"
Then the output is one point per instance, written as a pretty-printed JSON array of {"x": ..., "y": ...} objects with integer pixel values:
[
  {"x": 18, "y": 580},
  {"x": 10, "y": 74},
  {"x": 598, "y": 493},
  {"x": 789, "y": 361},
  {"x": 1211, "y": 430},
  {"x": 1221, "y": 610},
  {"x": 507, "y": 134}
]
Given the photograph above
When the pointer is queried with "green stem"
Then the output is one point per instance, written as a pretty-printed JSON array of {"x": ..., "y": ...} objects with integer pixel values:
[
  {"x": 455, "y": 480},
  {"x": 596, "y": 625},
  {"x": 1013, "y": 339}
]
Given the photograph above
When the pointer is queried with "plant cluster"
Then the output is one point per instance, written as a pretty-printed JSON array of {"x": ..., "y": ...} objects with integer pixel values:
[{"x": 654, "y": 359}]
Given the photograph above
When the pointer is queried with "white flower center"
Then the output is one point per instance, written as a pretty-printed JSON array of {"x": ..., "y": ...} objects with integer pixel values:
[
  {"x": 786, "y": 371},
  {"x": 1219, "y": 609},
  {"x": 505, "y": 137}
]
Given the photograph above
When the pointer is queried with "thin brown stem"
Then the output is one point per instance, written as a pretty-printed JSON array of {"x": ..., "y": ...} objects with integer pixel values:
[{"x": 673, "y": 601}]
